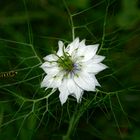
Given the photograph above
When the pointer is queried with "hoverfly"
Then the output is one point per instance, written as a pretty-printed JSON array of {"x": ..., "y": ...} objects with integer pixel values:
[{"x": 8, "y": 74}]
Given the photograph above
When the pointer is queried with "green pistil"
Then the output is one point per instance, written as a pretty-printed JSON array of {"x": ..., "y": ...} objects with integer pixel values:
[{"x": 66, "y": 63}]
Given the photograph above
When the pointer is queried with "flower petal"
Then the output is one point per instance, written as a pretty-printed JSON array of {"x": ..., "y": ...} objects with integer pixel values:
[
  {"x": 48, "y": 64},
  {"x": 96, "y": 82},
  {"x": 85, "y": 81},
  {"x": 52, "y": 81},
  {"x": 87, "y": 52},
  {"x": 74, "y": 55},
  {"x": 74, "y": 89},
  {"x": 51, "y": 70},
  {"x": 82, "y": 43},
  {"x": 73, "y": 46},
  {"x": 92, "y": 67},
  {"x": 98, "y": 58},
  {"x": 47, "y": 81},
  {"x": 60, "y": 50},
  {"x": 64, "y": 93},
  {"x": 57, "y": 81},
  {"x": 51, "y": 57}
]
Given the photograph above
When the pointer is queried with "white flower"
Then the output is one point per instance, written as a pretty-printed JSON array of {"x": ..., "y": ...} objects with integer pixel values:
[{"x": 72, "y": 69}]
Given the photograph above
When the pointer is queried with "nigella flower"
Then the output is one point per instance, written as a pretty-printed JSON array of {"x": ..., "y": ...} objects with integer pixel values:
[{"x": 72, "y": 69}]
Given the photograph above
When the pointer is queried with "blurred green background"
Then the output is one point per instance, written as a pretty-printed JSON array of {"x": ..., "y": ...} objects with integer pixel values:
[{"x": 31, "y": 29}]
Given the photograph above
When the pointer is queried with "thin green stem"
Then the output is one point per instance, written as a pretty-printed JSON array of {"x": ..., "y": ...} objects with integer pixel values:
[
  {"x": 36, "y": 54},
  {"x": 117, "y": 124},
  {"x": 31, "y": 100},
  {"x": 28, "y": 24},
  {"x": 71, "y": 20},
  {"x": 104, "y": 28},
  {"x": 77, "y": 115},
  {"x": 30, "y": 31},
  {"x": 39, "y": 99},
  {"x": 15, "y": 42}
]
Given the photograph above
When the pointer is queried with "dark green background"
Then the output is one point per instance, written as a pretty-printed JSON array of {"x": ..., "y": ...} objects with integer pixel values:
[{"x": 31, "y": 29}]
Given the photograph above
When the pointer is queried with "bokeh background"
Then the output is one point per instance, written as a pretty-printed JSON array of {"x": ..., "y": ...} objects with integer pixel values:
[{"x": 31, "y": 29}]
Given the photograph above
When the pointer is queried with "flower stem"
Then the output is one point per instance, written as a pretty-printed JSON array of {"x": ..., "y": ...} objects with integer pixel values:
[{"x": 71, "y": 20}]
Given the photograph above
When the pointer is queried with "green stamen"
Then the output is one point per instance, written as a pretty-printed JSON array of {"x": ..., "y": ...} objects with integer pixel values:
[{"x": 66, "y": 63}]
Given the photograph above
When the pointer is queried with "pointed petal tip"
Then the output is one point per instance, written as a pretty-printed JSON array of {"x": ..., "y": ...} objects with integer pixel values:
[
  {"x": 42, "y": 85},
  {"x": 96, "y": 45},
  {"x": 76, "y": 39},
  {"x": 42, "y": 66},
  {"x": 98, "y": 84},
  {"x": 103, "y": 57},
  {"x": 63, "y": 96},
  {"x": 84, "y": 40},
  {"x": 105, "y": 66},
  {"x": 79, "y": 100},
  {"x": 60, "y": 43},
  {"x": 82, "y": 43},
  {"x": 44, "y": 58},
  {"x": 62, "y": 101}
]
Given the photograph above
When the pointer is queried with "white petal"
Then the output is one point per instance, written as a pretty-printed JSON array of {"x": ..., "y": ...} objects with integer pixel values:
[
  {"x": 51, "y": 70},
  {"x": 51, "y": 57},
  {"x": 49, "y": 64},
  {"x": 73, "y": 46},
  {"x": 87, "y": 52},
  {"x": 93, "y": 67},
  {"x": 74, "y": 55},
  {"x": 78, "y": 96},
  {"x": 98, "y": 58},
  {"x": 52, "y": 81},
  {"x": 57, "y": 80},
  {"x": 64, "y": 93},
  {"x": 85, "y": 81},
  {"x": 82, "y": 43},
  {"x": 74, "y": 89},
  {"x": 47, "y": 81},
  {"x": 61, "y": 47},
  {"x": 96, "y": 82}
]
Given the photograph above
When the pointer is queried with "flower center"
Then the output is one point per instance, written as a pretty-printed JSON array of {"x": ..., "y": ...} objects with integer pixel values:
[{"x": 66, "y": 63}]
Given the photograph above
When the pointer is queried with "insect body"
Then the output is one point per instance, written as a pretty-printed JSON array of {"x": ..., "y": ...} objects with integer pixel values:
[{"x": 8, "y": 74}]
